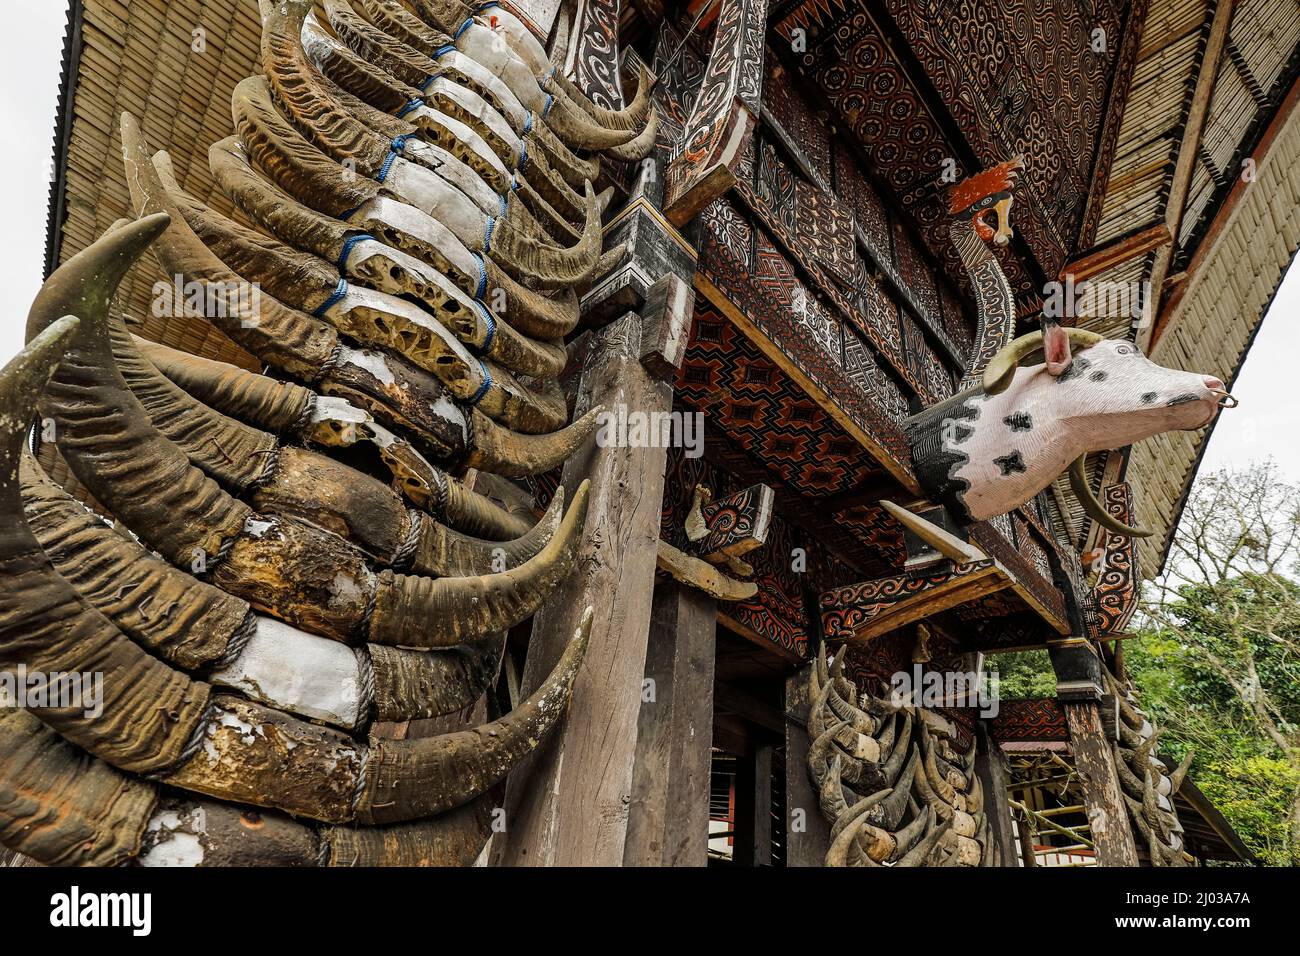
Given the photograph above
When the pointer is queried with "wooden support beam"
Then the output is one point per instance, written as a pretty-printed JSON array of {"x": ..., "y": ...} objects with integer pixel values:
[
  {"x": 567, "y": 805},
  {"x": 1101, "y": 258},
  {"x": 592, "y": 60},
  {"x": 991, "y": 768},
  {"x": 1107, "y": 816},
  {"x": 807, "y": 834},
  {"x": 753, "y": 841},
  {"x": 1185, "y": 165},
  {"x": 668, "y": 822}
]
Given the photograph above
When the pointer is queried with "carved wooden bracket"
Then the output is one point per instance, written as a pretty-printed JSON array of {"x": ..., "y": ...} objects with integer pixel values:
[
  {"x": 722, "y": 531},
  {"x": 1116, "y": 588},
  {"x": 725, "y": 111}
]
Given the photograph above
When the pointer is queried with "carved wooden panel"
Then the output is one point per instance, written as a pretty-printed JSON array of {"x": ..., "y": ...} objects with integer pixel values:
[
  {"x": 725, "y": 110},
  {"x": 593, "y": 52},
  {"x": 1117, "y": 588},
  {"x": 878, "y": 606},
  {"x": 1032, "y": 720},
  {"x": 737, "y": 523}
]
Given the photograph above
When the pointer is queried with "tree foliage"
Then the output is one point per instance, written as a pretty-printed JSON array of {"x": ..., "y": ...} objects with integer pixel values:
[{"x": 1217, "y": 662}]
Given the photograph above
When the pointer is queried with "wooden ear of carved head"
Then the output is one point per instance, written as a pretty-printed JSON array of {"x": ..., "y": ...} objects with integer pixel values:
[{"x": 991, "y": 190}]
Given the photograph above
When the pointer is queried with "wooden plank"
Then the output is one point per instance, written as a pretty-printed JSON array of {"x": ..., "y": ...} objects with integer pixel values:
[
  {"x": 568, "y": 804},
  {"x": 669, "y": 820},
  {"x": 1102, "y": 258},
  {"x": 1107, "y": 815}
]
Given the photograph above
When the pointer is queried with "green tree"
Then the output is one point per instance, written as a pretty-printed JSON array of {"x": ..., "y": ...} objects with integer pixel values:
[{"x": 1218, "y": 662}]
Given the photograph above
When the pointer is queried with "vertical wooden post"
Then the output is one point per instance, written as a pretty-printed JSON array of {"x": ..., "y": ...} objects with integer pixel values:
[
  {"x": 991, "y": 768},
  {"x": 568, "y": 804},
  {"x": 753, "y": 845},
  {"x": 807, "y": 834},
  {"x": 669, "y": 819},
  {"x": 1107, "y": 816}
]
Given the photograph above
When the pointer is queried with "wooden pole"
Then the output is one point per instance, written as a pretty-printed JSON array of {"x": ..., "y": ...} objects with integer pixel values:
[
  {"x": 668, "y": 822},
  {"x": 568, "y": 804},
  {"x": 808, "y": 835},
  {"x": 753, "y": 846},
  {"x": 1107, "y": 815},
  {"x": 991, "y": 768}
]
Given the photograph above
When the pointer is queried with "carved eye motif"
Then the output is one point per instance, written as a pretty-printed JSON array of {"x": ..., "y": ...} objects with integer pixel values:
[{"x": 1125, "y": 350}]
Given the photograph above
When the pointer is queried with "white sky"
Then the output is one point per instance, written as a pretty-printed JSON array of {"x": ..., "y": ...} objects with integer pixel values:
[{"x": 1267, "y": 423}]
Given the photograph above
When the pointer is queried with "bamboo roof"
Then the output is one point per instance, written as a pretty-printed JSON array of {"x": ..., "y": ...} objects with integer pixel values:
[
  {"x": 173, "y": 63},
  {"x": 1200, "y": 105}
]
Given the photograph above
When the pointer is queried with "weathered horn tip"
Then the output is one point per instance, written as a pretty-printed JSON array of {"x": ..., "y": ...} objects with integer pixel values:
[{"x": 37, "y": 357}]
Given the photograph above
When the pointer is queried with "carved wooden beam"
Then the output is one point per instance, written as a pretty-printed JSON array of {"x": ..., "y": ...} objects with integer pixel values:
[
  {"x": 864, "y": 611},
  {"x": 1101, "y": 258},
  {"x": 1116, "y": 590},
  {"x": 725, "y": 111},
  {"x": 702, "y": 575},
  {"x": 1033, "y": 720}
]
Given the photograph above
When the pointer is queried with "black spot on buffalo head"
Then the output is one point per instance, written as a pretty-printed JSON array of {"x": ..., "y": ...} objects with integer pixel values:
[
  {"x": 1019, "y": 421},
  {"x": 1010, "y": 463},
  {"x": 1098, "y": 376},
  {"x": 1148, "y": 398},
  {"x": 1075, "y": 369}
]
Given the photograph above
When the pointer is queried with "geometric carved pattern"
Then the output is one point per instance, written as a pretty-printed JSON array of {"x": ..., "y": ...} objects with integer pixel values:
[
  {"x": 759, "y": 407},
  {"x": 1116, "y": 590},
  {"x": 759, "y": 282},
  {"x": 1033, "y": 720},
  {"x": 1012, "y": 77}
]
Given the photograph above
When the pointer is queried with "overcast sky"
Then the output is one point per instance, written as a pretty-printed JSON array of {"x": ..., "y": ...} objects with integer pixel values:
[{"x": 1266, "y": 424}]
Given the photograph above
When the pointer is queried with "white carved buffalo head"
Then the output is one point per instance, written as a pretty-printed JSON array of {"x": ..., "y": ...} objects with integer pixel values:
[{"x": 990, "y": 449}]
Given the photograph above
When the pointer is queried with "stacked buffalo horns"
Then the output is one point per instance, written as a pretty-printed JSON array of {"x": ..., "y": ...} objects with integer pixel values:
[
  {"x": 890, "y": 782},
  {"x": 1148, "y": 786},
  {"x": 295, "y": 554}
]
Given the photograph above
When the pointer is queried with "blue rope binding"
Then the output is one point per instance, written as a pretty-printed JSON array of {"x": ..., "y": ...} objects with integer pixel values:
[
  {"x": 491, "y": 322},
  {"x": 348, "y": 245},
  {"x": 335, "y": 299},
  {"x": 483, "y": 388},
  {"x": 482, "y": 276}
]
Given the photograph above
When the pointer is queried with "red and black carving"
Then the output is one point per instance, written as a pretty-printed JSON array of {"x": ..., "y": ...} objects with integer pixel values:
[
  {"x": 1116, "y": 589},
  {"x": 846, "y": 610},
  {"x": 593, "y": 55},
  {"x": 1032, "y": 720},
  {"x": 726, "y": 108}
]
